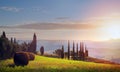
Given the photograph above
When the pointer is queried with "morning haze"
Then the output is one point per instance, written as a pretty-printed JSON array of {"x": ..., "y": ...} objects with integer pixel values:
[{"x": 60, "y": 35}]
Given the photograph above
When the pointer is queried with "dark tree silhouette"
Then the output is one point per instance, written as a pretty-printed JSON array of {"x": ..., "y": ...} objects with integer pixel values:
[
  {"x": 68, "y": 50},
  {"x": 62, "y": 52},
  {"x": 9, "y": 47},
  {"x": 82, "y": 53},
  {"x": 15, "y": 40},
  {"x": 11, "y": 40},
  {"x": 42, "y": 50},
  {"x": 33, "y": 44},
  {"x": 77, "y": 50},
  {"x": 3, "y": 35},
  {"x": 58, "y": 52},
  {"x": 5, "y": 47},
  {"x": 73, "y": 51},
  {"x": 86, "y": 52}
]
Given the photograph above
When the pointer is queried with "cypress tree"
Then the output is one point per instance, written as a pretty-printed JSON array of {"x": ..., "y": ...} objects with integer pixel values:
[
  {"x": 77, "y": 49},
  {"x": 68, "y": 50},
  {"x": 4, "y": 35},
  {"x": 86, "y": 52},
  {"x": 73, "y": 50},
  {"x": 15, "y": 40},
  {"x": 42, "y": 50},
  {"x": 11, "y": 40},
  {"x": 62, "y": 52}
]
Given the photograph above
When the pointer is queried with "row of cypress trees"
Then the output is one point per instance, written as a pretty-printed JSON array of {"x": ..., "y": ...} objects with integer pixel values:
[{"x": 78, "y": 55}]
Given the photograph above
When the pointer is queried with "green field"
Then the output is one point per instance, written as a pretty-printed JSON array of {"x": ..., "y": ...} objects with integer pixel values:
[{"x": 45, "y": 64}]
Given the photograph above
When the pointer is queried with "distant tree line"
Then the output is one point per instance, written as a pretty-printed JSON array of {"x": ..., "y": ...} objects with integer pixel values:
[
  {"x": 9, "y": 47},
  {"x": 80, "y": 53}
]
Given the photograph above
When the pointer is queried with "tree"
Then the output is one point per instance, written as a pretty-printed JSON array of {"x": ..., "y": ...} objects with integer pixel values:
[
  {"x": 77, "y": 50},
  {"x": 5, "y": 48},
  {"x": 73, "y": 50},
  {"x": 33, "y": 44},
  {"x": 11, "y": 40},
  {"x": 15, "y": 40},
  {"x": 3, "y": 35},
  {"x": 62, "y": 52},
  {"x": 9, "y": 47},
  {"x": 68, "y": 50},
  {"x": 58, "y": 52},
  {"x": 42, "y": 50}
]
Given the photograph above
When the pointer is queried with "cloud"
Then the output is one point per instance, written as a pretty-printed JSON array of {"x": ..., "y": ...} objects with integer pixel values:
[
  {"x": 39, "y": 9},
  {"x": 62, "y": 18},
  {"x": 12, "y": 9},
  {"x": 58, "y": 26}
]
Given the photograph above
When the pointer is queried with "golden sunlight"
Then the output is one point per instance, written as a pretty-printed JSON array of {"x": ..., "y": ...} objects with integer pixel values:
[{"x": 112, "y": 29}]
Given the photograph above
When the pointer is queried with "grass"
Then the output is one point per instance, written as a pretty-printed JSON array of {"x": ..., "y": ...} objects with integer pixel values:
[{"x": 45, "y": 64}]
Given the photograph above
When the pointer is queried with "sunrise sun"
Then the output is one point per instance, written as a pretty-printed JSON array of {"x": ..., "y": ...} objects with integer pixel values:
[{"x": 113, "y": 29}]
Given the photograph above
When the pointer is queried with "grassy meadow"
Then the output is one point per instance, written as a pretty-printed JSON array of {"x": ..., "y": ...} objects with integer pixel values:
[{"x": 46, "y": 64}]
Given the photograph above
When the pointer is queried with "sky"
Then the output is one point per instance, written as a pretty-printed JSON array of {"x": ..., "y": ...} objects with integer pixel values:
[{"x": 63, "y": 12}]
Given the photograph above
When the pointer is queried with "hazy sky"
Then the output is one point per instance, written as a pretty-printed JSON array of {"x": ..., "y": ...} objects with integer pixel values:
[
  {"x": 27, "y": 11},
  {"x": 20, "y": 12}
]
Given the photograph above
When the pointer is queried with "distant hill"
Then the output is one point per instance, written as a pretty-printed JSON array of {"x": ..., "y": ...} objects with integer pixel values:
[
  {"x": 114, "y": 40},
  {"x": 5, "y": 27},
  {"x": 96, "y": 60},
  {"x": 113, "y": 43}
]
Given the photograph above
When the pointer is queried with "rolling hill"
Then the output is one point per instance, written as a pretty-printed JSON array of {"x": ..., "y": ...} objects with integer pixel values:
[{"x": 46, "y": 64}]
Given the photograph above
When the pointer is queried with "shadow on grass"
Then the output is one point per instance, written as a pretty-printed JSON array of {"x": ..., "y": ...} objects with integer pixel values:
[{"x": 11, "y": 65}]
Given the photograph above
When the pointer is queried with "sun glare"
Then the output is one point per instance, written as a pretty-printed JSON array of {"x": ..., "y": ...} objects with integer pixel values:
[{"x": 113, "y": 29}]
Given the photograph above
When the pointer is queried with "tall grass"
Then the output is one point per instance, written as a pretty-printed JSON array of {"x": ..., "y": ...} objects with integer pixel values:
[{"x": 45, "y": 64}]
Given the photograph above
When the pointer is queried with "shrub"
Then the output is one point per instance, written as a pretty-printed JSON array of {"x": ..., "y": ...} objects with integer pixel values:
[
  {"x": 21, "y": 58},
  {"x": 31, "y": 55},
  {"x": 42, "y": 50}
]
